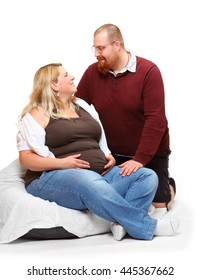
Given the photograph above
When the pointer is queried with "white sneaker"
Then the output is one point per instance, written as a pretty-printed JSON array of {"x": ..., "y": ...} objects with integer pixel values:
[
  {"x": 117, "y": 231},
  {"x": 167, "y": 226},
  {"x": 159, "y": 213}
]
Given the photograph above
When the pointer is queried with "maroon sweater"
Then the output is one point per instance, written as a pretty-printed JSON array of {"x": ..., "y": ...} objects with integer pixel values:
[{"x": 131, "y": 107}]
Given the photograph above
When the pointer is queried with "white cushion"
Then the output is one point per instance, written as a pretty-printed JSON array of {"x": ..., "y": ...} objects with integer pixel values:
[{"x": 20, "y": 212}]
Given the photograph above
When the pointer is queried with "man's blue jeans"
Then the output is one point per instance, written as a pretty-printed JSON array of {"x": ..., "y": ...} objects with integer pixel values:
[{"x": 124, "y": 200}]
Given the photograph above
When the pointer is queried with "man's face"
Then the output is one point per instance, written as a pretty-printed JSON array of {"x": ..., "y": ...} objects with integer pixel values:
[{"x": 105, "y": 52}]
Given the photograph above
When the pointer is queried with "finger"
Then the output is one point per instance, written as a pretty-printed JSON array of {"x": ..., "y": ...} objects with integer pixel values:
[
  {"x": 81, "y": 161},
  {"x": 106, "y": 171},
  {"x": 129, "y": 172},
  {"x": 124, "y": 171},
  {"x": 136, "y": 169},
  {"x": 108, "y": 165},
  {"x": 83, "y": 166},
  {"x": 76, "y": 155}
]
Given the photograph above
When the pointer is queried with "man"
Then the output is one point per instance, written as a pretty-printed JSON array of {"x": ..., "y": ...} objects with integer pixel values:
[{"x": 128, "y": 93}]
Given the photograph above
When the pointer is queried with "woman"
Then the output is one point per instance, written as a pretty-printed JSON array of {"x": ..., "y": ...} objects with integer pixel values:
[{"x": 62, "y": 144}]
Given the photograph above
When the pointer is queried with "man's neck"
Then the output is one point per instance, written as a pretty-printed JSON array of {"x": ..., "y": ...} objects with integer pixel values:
[{"x": 123, "y": 62}]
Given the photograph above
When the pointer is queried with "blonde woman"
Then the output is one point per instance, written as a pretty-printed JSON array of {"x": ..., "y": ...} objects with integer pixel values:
[{"x": 62, "y": 144}]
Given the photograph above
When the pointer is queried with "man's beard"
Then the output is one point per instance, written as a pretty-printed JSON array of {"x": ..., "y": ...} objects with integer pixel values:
[{"x": 103, "y": 66}]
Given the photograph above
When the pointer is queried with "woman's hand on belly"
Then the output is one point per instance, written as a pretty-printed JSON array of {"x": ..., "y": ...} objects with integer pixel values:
[
  {"x": 110, "y": 163},
  {"x": 73, "y": 162}
]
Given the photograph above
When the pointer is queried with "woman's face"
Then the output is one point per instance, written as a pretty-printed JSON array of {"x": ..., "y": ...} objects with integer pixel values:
[{"x": 65, "y": 83}]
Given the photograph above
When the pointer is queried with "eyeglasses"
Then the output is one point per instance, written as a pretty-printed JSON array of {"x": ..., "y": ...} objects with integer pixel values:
[{"x": 100, "y": 49}]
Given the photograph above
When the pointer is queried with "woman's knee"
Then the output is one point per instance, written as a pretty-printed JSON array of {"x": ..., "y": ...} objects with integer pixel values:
[{"x": 150, "y": 176}]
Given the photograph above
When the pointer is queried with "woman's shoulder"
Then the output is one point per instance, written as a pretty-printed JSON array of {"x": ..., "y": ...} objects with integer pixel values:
[{"x": 39, "y": 116}]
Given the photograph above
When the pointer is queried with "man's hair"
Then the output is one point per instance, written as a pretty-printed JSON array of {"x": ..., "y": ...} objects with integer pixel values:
[{"x": 114, "y": 33}]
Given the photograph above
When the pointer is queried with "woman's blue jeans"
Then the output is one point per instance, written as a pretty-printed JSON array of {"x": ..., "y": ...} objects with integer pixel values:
[{"x": 117, "y": 198}]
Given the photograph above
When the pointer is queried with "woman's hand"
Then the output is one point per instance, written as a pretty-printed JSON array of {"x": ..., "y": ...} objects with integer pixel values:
[
  {"x": 129, "y": 166},
  {"x": 73, "y": 162},
  {"x": 110, "y": 163}
]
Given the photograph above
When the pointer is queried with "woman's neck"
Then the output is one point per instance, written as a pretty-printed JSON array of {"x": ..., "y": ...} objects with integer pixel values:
[{"x": 69, "y": 110}]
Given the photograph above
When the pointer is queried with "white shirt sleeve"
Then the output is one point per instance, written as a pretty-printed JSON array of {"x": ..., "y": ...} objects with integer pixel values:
[{"x": 31, "y": 136}]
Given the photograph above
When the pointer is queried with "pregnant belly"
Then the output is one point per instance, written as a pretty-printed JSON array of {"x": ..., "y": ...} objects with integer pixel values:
[{"x": 96, "y": 158}]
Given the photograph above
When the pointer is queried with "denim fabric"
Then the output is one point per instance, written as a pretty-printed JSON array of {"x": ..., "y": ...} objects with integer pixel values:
[{"x": 124, "y": 200}]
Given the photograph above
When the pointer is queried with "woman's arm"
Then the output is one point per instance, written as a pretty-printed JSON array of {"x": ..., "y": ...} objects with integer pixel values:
[{"x": 34, "y": 162}]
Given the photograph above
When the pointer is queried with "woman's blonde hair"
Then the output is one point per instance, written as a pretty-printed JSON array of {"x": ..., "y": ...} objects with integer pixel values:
[{"x": 43, "y": 96}]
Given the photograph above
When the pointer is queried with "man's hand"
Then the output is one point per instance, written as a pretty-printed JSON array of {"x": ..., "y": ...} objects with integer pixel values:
[{"x": 129, "y": 166}]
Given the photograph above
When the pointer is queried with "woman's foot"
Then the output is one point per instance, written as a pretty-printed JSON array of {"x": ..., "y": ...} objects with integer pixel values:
[
  {"x": 117, "y": 231},
  {"x": 167, "y": 226},
  {"x": 159, "y": 213}
]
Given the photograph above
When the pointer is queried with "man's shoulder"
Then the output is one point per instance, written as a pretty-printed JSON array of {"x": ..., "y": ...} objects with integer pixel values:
[
  {"x": 144, "y": 61},
  {"x": 93, "y": 66},
  {"x": 145, "y": 65}
]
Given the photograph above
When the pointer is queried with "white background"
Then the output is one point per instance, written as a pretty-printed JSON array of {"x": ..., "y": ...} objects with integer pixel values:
[{"x": 37, "y": 32}]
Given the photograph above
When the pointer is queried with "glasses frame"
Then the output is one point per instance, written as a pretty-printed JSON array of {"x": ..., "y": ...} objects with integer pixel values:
[{"x": 100, "y": 49}]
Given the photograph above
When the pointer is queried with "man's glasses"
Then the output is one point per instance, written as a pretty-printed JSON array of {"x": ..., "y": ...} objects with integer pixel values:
[{"x": 100, "y": 49}]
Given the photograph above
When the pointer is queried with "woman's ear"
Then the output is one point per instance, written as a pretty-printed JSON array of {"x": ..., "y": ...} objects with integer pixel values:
[{"x": 54, "y": 86}]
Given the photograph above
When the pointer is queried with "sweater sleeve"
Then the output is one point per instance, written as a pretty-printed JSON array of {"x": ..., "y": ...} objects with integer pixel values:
[{"x": 155, "y": 125}]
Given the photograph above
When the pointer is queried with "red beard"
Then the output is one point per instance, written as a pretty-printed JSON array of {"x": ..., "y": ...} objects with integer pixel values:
[{"x": 103, "y": 66}]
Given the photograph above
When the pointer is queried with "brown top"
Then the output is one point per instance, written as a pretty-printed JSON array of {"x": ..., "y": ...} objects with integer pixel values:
[{"x": 66, "y": 137}]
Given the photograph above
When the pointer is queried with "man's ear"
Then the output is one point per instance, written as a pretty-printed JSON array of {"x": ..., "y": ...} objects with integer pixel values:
[{"x": 54, "y": 86}]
